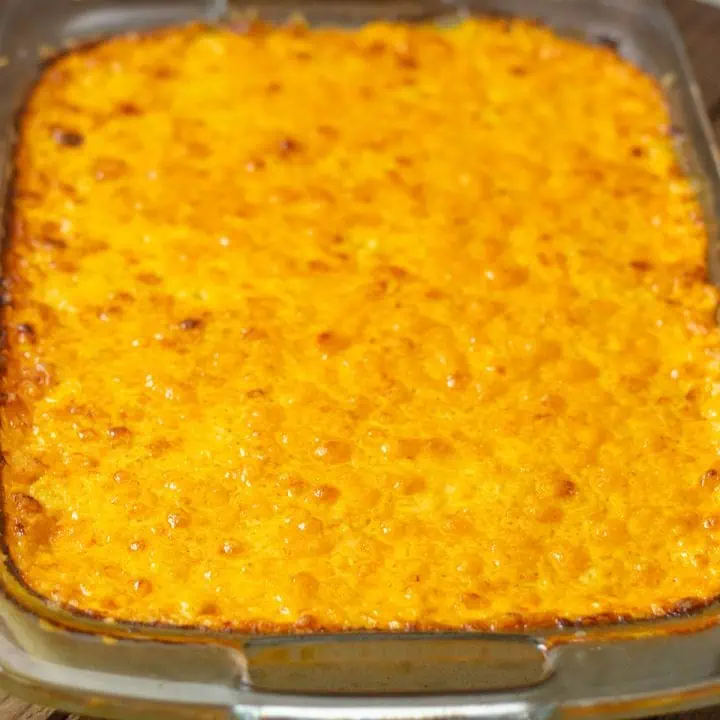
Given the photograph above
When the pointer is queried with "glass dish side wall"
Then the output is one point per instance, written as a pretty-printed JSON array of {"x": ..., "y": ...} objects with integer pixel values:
[{"x": 80, "y": 663}]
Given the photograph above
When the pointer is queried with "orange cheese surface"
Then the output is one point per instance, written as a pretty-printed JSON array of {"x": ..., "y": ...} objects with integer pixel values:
[{"x": 403, "y": 327}]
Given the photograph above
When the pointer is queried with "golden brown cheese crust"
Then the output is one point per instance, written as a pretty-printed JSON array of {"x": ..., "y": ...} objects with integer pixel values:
[{"x": 401, "y": 327}]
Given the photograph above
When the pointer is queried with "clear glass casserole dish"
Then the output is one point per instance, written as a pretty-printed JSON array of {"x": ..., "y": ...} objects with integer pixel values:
[{"x": 53, "y": 657}]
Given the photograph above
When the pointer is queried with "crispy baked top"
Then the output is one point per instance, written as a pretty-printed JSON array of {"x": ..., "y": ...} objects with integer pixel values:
[{"x": 398, "y": 327}]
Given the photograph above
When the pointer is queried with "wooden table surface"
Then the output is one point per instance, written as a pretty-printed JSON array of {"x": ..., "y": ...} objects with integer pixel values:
[{"x": 700, "y": 27}]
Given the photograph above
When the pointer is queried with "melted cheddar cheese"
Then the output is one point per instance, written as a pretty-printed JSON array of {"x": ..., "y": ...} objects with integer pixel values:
[{"x": 399, "y": 327}]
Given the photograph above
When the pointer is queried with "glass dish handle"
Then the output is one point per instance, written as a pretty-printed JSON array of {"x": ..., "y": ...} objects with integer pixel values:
[{"x": 508, "y": 710}]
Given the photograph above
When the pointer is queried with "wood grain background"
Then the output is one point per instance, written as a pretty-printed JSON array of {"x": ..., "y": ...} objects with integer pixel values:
[{"x": 700, "y": 27}]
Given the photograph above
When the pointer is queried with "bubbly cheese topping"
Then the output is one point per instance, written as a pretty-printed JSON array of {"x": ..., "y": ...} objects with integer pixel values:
[{"x": 401, "y": 327}]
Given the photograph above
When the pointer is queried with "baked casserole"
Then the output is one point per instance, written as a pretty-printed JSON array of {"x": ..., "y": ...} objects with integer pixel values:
[{"x": 404, "y": 327}]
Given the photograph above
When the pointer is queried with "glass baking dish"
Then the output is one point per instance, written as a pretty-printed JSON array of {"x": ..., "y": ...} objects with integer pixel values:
[{"x": 81, "y": 664}]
